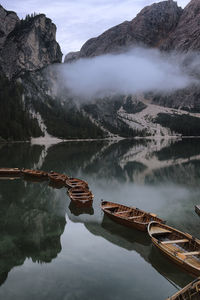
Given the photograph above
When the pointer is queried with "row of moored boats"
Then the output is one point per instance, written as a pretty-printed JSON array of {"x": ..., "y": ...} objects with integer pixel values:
[
  {"x": 180, "y": 247},
  {"x": 78, "y": 189}
]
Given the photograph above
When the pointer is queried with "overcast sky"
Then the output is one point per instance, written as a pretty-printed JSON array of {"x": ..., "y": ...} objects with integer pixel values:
[{"x": 79, "y": 20}]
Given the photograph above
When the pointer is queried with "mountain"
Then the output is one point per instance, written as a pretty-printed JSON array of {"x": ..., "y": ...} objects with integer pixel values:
[
  {"x": 150, "y": 28},
  {"x": 186, "y": 37},
  {"x": 29, "y": 106},
  {"x": 8, "y": 21},
  {"x": 163, "y": 26},
  {"x": 29, "y": 46},
  {"x": 34, "y": 102}
]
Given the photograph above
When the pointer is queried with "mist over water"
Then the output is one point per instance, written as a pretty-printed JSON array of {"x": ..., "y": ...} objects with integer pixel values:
[{"x": 135, "y": 71}]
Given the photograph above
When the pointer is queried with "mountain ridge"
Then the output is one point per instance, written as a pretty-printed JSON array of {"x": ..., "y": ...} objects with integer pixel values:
[
  {"x": 151, "y": 25},
  {"x": 28, "y": 49}
]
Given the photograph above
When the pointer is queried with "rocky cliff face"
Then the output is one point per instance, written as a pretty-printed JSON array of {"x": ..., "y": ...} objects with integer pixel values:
[
  {"x": 150, "y": 28},
  {"x": 186, "y": 36},
  {"x": 28, "y": 45},
  {"x": 164, "y": 26},
  {"x": 8, "y": 21}
]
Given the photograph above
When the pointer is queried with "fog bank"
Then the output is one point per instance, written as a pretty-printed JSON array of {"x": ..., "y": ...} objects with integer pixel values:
[{"x": 136, "y": 71}]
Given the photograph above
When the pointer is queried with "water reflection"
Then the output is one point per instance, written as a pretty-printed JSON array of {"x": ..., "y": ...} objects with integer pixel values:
[
  {"x": 77, "y": 211},
  {"x": 159, "y": 176},
  {"x": 30, "y": 225},
  {"x": 175, "y": 275},
  {"x": 140, "y": 242}
]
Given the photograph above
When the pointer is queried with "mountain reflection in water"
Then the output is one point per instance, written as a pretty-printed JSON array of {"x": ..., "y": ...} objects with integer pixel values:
[{"x": 161, "y": 176}]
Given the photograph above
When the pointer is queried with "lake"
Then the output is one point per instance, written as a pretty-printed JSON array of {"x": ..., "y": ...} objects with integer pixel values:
[{"x": 50, "y": 249}]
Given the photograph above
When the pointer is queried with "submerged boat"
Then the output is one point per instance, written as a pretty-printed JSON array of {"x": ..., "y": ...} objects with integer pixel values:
[
  {"x": 180, "y": 247},
  {"x": 129, "y": 216},
  {"x": 10, "y": 171},
  {"x": 189, "y": 292},
  {"x": 34, "y": 173},
  {"x": 75, "y": 182}
]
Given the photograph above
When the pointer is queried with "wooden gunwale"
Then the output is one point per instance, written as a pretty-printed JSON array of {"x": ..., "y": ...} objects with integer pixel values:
[
  {"x": 190, "y": 291},
  {"x": 55, "y": 174},
  {"x": 10, "y": 171},
  {"x": 82, "y": 199},
  {"x": 57, "y": 179},
  {"x": 185, "y": 254},
  {"x": 128, "y": 216},
  {"x": 89, "y": 195},
  {"x": 34, "y": 173}
]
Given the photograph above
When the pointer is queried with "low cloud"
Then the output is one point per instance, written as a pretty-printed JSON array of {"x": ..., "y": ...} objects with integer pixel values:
[{"x": 136, "y": 71}]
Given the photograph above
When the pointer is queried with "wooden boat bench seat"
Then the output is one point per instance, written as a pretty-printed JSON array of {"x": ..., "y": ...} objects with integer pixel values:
[
  {"x": 192, "y": 253},
  {"x": 80, "y": 194},
  {"x": 135, "y": 217},
  {"x": 109, "y": 207},
  {"x": 122, "y": 212},
  {"x": 159, "y": 230},
  {"x": 175, "y": 241},
  {"x": 185, "y": 255}
]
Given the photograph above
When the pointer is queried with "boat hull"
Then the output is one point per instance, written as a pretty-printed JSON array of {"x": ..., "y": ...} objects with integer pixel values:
[
  {"x": 124, "y": 222},
  {"x": 176, "y": 251},
  {"x": 75, "y": 182},
  {"x": 178, "y": 262},
  {"x": 190, "y": 291},
  {"x": 10, "y": 171},
  {"x": 131, "y": 217},
  {"x": 35, "y": 173},
  {"x": 82, "y": 203}
]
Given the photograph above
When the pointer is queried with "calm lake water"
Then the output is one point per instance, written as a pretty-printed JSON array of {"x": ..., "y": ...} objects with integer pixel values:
[{"x": 51, "y": 250}]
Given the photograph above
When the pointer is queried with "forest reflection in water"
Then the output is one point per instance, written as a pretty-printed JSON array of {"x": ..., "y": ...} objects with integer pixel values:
[{"x": 158, "y": 176}]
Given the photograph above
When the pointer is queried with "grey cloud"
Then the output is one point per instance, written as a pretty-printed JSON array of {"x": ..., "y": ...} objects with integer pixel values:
[{"x": 138, "y": 70}]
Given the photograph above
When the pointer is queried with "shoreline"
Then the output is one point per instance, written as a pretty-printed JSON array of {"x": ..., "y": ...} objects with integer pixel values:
[{"x": 52, "y": 141}]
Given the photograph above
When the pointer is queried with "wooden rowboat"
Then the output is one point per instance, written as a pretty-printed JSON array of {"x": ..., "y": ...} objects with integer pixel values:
[
  {"x": 34, "y": 173},
  {"x": 74, "y": 182},
  {"x": 80, "y": 191},
  {"x": 180, "y": 247},
  {"x": 81, "y": 196},
  {"x": 190, "y": 292},
  {"x": 9, "y": 171},
  {"x": 57, "y": 177},
  {"x": 128, "y": 216}
]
